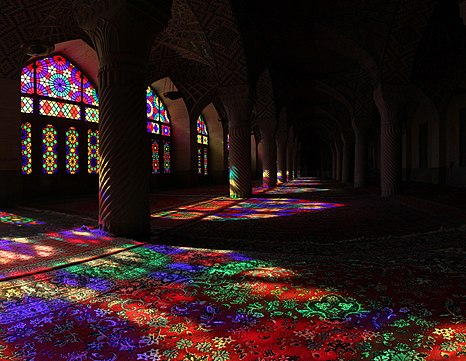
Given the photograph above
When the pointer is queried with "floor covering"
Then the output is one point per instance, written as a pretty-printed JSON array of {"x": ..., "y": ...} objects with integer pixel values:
[{"x": 310, "y": 275}]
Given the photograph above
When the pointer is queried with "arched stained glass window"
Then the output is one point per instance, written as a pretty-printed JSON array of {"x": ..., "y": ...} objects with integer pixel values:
[
  {"x": 202, "y": 146},
  {"x": 159, "y": 129},
  {"x": 49, "y": 149},
  {"x": 72, "y": 151},
  {"x": 59, "y": 89},
  {"x": 26, "y": 148},
  {"x": 53, "y": 89}
]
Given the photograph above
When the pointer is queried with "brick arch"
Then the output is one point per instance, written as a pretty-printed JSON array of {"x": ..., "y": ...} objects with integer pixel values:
[{"x": 411, "y": 18}]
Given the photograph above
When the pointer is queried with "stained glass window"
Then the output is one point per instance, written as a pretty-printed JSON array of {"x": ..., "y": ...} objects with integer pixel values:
[
  {"x": 49, "y": 150},
  {"x": 27, "y": 105},
  {"x": 202, "y": 148},
  {"x": 54, "y": 87},
  {"x": 92, "y": 151},
  {"x": 158, "y": 126},
  {"x": 202, "y": 134},
  {"x": 155, "y": 156},
  {"x": 59, "y": 109},
  {"x": 166, "y": 157},
  {"x": 199, "y": 161},
  {"x": 72, "y": 151},
  {"x": 26, "y": 150}
]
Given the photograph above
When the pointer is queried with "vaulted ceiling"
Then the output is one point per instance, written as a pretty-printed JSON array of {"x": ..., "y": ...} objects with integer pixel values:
[{"x": 324, "y": 57}]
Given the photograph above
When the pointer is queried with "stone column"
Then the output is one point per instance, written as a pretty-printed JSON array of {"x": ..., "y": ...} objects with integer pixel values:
[
  {"x": 289, "y": 156},
  {"x": 295, "y": 158},
  {"x": 122, "y": 35},
  {"x": 360, "y": 156},
  {"x": 281, "y": 156},
  {"x": 236, "y": 102},
  {"x": 269, "y": 152},
  {"x": 334, "y": 162},
  {"x": 338, "y": 154},
  {"x": 346, "y": 161},
  {"x": 388, "y": 101}
]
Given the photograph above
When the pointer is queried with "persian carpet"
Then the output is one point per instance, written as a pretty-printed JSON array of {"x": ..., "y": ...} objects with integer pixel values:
[{"x": 162, "y": 303}]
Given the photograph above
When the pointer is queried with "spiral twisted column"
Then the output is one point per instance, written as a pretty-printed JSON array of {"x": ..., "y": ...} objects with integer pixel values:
[
  {"x": 360, "y": 157},
  {"x": 339, "y": 155},
  {"x": 121, "y": 38},
  {"x": 237, "y": 106},
  {"x": 269, "y": 155},
  {"x": 295, "y": 158},
  {"x": 289, "y": 156},
  {"x": 281, "y": 157},
  {"x": 388, "y": 102},
  {"x": 346, "y": 161}
]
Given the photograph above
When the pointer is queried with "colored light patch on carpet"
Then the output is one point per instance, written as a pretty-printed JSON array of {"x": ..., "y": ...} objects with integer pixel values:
[
  {"x": 295, "y": 190},
  {"x": 191, "y": 304},
  {"x": 196, "y": 210},
  {"x": 10, "y": 218},
  {"x": 261, "y": 208},
  {"x": 26, "y": 255}
]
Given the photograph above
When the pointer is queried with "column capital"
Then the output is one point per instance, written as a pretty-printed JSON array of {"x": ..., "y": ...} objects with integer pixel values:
[{"x": 122, "y": 29}]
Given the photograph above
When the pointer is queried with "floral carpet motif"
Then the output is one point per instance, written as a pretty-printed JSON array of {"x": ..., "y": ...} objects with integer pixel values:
[{"x": 168, "y": 303}]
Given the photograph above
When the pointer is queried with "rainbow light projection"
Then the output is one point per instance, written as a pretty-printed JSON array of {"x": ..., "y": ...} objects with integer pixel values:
[
  {"x": 49, "y": 150},
  {"x": 288, "y": 190},
  {"x": 260, "y": 208},
  {"x": 45, "y": 251},
  {"x": 92, "y": 151},
  {"x": 195, "y": 211},
  {"x": 170, "y": 304},
  {"x": 159, "y": 129},
  {"x": 202, "y": 149},
  {"x": 11, "y": 218},
  {"x": 26, "y": 148},
  {"x": 72, "y": 151}
]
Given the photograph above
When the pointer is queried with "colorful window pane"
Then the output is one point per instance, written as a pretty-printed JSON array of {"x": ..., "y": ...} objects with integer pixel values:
[
  {"x": 155, "y": 108},
  {"x": 166, "y": 130},
  {"x": 155, "y": 157},
  {"x": 202, "y": 130},
  {"x": 166, "y": 157},
  {"x": 203, "y": 141},
  {"x": 56, "y": 77},
  {"x": 49, "y": 150},
  {"x": 27, "y": 79},
  {"x": 90, "y": 95},
  {"x": 72, "y": 151},
  {"x": 27, "y": 105},
  {"x": 199, "y": 161},
  {"x": 158, "y": 125},
  {"x": 26, "y": 150},
  {"x": 91, "y": 115},
  {"x": 92, "y": 151},
  {"x": 60, "y": 110},
  {"x": 153, "y": 128}
]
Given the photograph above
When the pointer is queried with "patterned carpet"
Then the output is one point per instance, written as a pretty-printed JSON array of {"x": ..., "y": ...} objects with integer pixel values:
[
  {"x": 288, "y": 298},
  {"x": 169, "y": 303}
]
